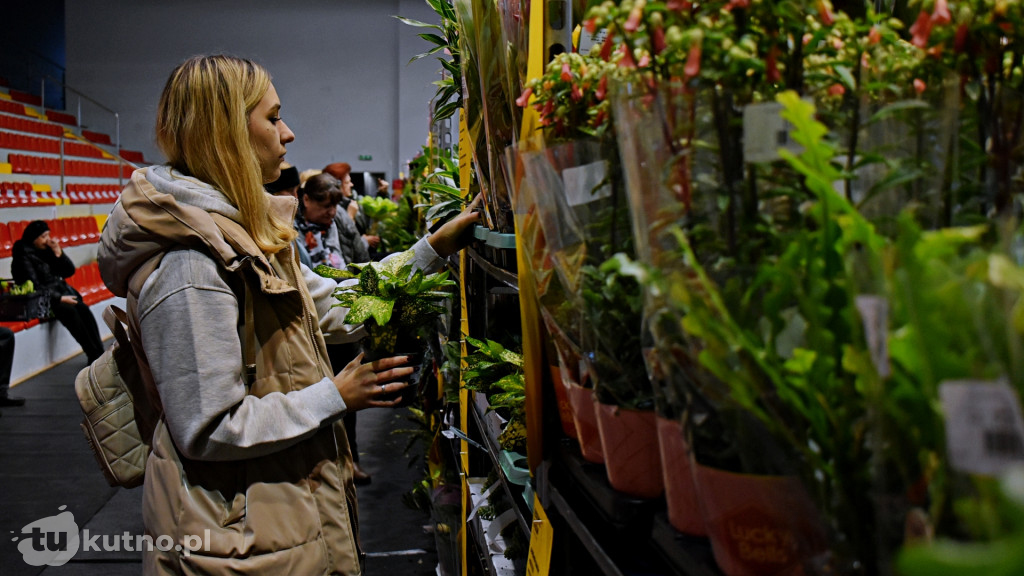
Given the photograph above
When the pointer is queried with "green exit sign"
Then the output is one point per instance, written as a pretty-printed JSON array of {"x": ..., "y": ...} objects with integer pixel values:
[{"x": 365, "y": 157}]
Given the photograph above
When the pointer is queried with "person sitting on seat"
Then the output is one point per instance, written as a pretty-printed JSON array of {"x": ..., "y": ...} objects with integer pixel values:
[{"x": 38, "y": 257}]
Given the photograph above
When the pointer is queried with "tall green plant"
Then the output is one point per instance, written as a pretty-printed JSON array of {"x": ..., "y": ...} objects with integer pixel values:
[{"x": 448, "y": 97}]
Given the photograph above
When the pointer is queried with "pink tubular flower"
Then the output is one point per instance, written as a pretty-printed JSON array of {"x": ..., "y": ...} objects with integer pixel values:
[
  {"x": 921, "y": 30},
  {"x": 524, "y": 98},
  {"x": 692, "y": 68},
  {"x": 919, "y": 85},
  {"x": 590, "y": 25},
  {"x": 609, "y": 43},
  {"x": 645, "y": 60},
  {"x": 679, "y": 5},
  {"x": 658, "y": 43},
  {"x": 875, "y": 36},
  {"x": 733, "y": 4},
  {"x": 627, "y": 60},
  {"x": 825, "y": 13},
  {"x": 602, "y": 88},
  {"x": 960, "y": 38},
  {"x": 836, "y": 89},
  {"x": 771, "y": 66},
  {"x": 940, "y": 15},
  {"x": 633, "y": 22},
  {"x": 576, "y": 93},
  {"x": 566, "y": 72}
]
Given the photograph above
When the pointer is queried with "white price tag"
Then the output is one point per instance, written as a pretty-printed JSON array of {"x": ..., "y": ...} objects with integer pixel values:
[
  {"x": 588, "y": 40},
  {"x": 984, "y": 427},
  {"x": 765, "y": 131},
  {"x": 874, "y": 313},
  {"x": 581, "y": 183}
]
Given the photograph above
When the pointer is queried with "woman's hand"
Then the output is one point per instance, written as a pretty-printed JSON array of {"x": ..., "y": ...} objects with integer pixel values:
[
  {"x": 70, "y": 300},
  {"x": 55, "y": 246},
  {"x": 363, "y": 385},
  {"x": 452, "y": 236}
]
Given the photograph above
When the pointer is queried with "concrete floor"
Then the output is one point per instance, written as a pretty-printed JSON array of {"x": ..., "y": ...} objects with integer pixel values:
[{"x": 45, "y": 464}]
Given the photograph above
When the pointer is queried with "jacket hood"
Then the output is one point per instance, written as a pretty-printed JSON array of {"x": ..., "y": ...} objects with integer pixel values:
[{"x": 161, "y": 209}]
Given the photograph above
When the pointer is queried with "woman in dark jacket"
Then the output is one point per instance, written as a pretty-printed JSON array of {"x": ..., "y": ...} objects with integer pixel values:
[{"x": 38, "y": 257}]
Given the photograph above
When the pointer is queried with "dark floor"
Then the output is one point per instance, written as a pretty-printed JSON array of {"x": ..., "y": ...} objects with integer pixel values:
[{"x": 45, "y": 465}]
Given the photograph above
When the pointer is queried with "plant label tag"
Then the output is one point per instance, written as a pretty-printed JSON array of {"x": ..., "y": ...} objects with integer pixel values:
[
  {"x": 765, "y": 132},
  {"x": 583, "y": 184},
  {"x": 538, "y": 561},
  {"x": 874, "y": 313},
  {"x": 588, "y": 40},
  {"x": 984, "y": 427}
]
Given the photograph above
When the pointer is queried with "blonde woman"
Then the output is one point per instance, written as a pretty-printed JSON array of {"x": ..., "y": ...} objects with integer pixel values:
[{"x": 249, "y": 462}]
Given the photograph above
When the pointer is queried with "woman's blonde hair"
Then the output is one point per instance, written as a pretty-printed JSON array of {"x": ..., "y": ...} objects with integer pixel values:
[{"x": 202, "y": 126}]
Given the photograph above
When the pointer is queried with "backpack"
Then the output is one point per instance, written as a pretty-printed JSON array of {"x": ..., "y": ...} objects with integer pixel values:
[{"x": 118, "y": 397}]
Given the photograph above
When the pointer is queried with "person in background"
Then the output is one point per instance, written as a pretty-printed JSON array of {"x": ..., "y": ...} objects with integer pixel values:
[
  {"x": 350, "y": 202},
  {"x": 318, "y": 204},
  {"x": 288, "y": 185},
  {"x": 305, "y": 175},
  {"x": 317, "y": 226},
  {"x": 382, "y": 188},
  {"x": 39, "y": 257},
  {"x": 249, "y": 451},
  {"x": 6, "y": 361}
]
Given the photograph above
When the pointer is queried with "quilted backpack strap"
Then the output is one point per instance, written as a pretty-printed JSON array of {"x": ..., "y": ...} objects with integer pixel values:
[{"x": 142, "y": 387}]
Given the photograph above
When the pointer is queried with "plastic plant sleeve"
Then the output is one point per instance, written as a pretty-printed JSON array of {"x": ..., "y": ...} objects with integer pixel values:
[
  {"x": 657, "y": 145},
  {"x": 561, "y": 318},
  {"x": 584, "y": 214},
  {"x": 473, "y": 105},
  {"x": 483, "y": 50}
]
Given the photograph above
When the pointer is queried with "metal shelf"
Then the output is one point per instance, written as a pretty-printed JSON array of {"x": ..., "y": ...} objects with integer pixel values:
[
  {"x": 507, "y": 278},
  {"x": 515, "y": 495},
  {"x": 601, "y": 518}
]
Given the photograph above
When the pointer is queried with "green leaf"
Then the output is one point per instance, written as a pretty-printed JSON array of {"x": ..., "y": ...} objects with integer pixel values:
[
  {"x": 434, "y": 39},
  {"x": 335, "y": 273},
  {"x": 395, "y": 262},
  {"x": 417, "y": 23},
  {"x": 366, "y": 307}
]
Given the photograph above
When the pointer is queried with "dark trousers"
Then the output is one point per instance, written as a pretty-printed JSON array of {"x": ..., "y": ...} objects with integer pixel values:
[
  {"x": 78, "y": 319},
  {"x": 6, "y": 359},
  {"x": 340, "y": 355}
]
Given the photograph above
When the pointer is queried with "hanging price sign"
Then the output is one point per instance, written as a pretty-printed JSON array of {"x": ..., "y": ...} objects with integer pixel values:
[{"x": 984, "y": 427}]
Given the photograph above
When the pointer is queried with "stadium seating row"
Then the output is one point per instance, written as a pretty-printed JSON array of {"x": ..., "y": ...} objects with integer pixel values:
[
  {"x": 22, "y": 194},
  {"x": 23, "y": 124},
  {"x": 49, "y": 145},
  {"x": 46, "y": 166}
]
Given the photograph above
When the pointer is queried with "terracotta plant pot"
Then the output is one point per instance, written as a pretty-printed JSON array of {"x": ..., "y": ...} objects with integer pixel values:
[
  {"x": 680, "y": 491},
  {"x": 629, "y": 440},
  {"x": 564, "y": 409},
  {"x": 584, "y": 416},
  {"x": 758, "y": 524}
]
